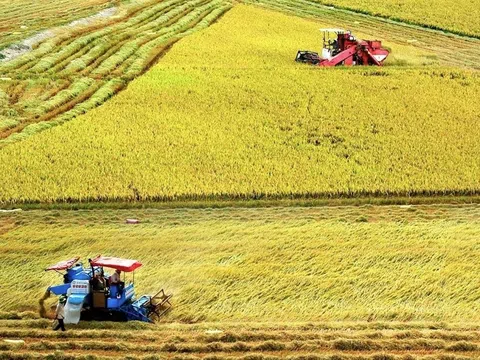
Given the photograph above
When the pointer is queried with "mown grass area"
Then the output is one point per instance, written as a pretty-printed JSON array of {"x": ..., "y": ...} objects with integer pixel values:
[
  {"x": 376, "y": 263},
  {"x": 253, "y": 123},
  {"x": 313, "y": 341}
]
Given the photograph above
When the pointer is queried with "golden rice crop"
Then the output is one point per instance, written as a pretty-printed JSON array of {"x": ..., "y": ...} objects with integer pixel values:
[
  {"x": 462, "y": 17},
  {"x": 227, "y": 113},
  {"x": 377, "y": 263},
  {"x": 82, "y": 66}
]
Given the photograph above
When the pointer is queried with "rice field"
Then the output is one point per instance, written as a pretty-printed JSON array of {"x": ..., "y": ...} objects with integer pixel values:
[
  {"x": 462, "y": 17},
  {"x": 224, "y": 116},
  {"x": 327, "y": 283},
  {"x": 255, "y": 124},
  {"x": 20, "y": 19},
  {"x": 83, "y": 66},
  {"x": 281, "y": 264},
  {"x": 411, "y": 45}
]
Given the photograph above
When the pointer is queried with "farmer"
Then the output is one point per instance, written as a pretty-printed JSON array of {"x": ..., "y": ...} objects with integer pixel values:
[
  {"x": 115, "y": 277},
  {"x": 115, "y": 281},
  {"x": 60, "y": 313},
  {"x": 98, "y": 281}
]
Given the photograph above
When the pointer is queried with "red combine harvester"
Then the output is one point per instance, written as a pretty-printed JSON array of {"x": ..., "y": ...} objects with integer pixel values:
[{"x": 345, "y": 49}]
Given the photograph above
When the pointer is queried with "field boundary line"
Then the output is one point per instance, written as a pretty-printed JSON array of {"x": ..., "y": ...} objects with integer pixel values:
[{"x": 247, "y": 203}]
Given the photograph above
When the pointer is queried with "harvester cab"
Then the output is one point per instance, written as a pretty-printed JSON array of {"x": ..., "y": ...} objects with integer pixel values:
[
  {"x": 341, "y": 47},
  {"x": 92, "y": 295},
  {"x": 332, "y": 39}
]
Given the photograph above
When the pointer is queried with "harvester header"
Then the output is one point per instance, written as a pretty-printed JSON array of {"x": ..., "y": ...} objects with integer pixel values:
[{"x": 340, "y": 47}]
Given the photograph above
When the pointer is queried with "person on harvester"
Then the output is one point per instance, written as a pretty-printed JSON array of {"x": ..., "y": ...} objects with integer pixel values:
[
  {"x": 115, "y": 280},
  {"x": 60, "y": 313},
  {"x": 98, "y": 282}
]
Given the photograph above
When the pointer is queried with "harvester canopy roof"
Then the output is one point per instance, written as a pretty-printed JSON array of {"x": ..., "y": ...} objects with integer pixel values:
[
  {"x": 126, "y": 265},
  {"x": 63, "y": 265},
  {"x": 340, "y": 31}
]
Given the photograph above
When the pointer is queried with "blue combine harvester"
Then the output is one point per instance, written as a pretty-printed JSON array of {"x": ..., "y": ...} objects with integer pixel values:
[{"x": 92, "y": 295}]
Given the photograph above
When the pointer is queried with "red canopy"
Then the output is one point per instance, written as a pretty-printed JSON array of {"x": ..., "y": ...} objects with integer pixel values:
[
  {"x": 116, "y": 263},
  {"x": 63, "y": 265}
]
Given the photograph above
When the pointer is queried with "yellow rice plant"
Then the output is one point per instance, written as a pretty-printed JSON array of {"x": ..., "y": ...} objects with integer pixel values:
[
  {"x": 376, "y": 263},
  {"x": 228, "y": 113},
  {"x": 462, "y": 17}
]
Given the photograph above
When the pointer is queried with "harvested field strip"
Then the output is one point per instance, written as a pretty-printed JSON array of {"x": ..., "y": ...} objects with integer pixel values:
[
  {"x": 129, "y": 26},
  {"x": 131, "y": 47},
  {"x": 65, "y": 39},
  {"x": 20, "y": 19},
  {"x": 91, "y": 39},
  {"x": 50, "y": 93},
  {"x": 232, "y": 332},
  {"x": 450, "y": 49},
  {"x": 66, "y": 95},
  {"x": 61, "y": 65},
  {"x": 225, "y": 340},
  {"x": 184, "y": 346},
  {"x": 102, "y": 52},
  {"x": 64, "y": 106},
  {"x": 182, "y": 28},
  {"x": 264, "y": 355},
  {"x": 119, "y": 50}
]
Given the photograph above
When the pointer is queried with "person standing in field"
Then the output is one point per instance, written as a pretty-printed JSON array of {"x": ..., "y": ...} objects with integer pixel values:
[{"x": 60, "y": 313}]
